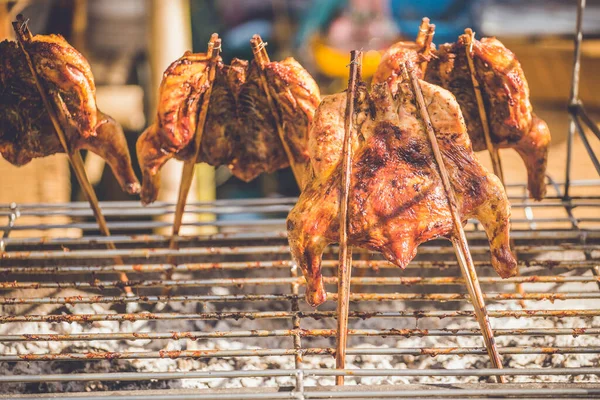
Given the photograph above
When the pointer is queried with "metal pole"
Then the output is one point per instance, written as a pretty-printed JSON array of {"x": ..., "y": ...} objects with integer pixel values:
[{"x": 574, "y": 98}]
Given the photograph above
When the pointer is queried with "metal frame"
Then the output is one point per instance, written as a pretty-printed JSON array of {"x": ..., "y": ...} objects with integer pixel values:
[
  {"x": 580, "y": 119},
  {"x": 256, "y": 266},
  {"x": 258, "y": 248}
]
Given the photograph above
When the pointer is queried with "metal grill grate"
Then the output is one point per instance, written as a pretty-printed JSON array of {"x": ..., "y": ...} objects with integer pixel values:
[{"x": 236, "y": 314}]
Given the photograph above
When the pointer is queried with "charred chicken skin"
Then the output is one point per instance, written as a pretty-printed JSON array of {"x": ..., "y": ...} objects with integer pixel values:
[
  {"x": 26, "y": 130},
  {"x": 505, "y": 92},
  {"x": 240, "y": 130},
  {"x": 506, "y": 96},
  {"x": 397, "y": 200}
]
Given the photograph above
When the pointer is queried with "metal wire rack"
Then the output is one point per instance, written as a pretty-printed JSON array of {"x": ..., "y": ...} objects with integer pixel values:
[
  {"x": 235, "y": 313},
  {"x": 235, "y": 325}
]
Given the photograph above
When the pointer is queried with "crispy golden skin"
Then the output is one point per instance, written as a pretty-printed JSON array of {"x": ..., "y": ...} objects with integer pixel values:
[
  {"x": 26, "y": 131},
  {"x": 397, "y": 200}
]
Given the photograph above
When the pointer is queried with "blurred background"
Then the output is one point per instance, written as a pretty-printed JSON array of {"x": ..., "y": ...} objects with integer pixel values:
[{"x": 129, "y": 44}]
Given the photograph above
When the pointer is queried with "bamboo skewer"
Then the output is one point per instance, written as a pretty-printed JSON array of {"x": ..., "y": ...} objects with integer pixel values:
[
  {"x": 425, "y": 38},
  {"x": 187, "y": 174},
  {"x": 423, "y": 30},
  {"x": 58, "y": 115},
  {"x": 459, "y": 239},
  {"x": 300, "y": 170},
  {"x": 345, "y": 250},
  {"x": 428, "y": 39},
  {"x": 469, "y": 36}
]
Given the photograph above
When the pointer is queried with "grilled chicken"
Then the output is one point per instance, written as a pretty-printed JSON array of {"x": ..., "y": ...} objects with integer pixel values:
[
  {"x": 26, "y": 130},
  {"x": 397, "y": 200},
  {"x": 297, "y": 96},
  {"x": 506, "y": 96},
  {"x": 396, "y": 55},
  {"x": 257, "y": 147},
  {"x": 179, "y": 99},
  {"x": 240, "y": 130},
  {"x": 418, "y": 52},
  {"x": 221, "y": 123},
  {"x": 505, "y": 93}
]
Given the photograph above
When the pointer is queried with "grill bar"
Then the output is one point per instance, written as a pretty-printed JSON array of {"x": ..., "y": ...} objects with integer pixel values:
[
  {"x": 293, "y": 372},
  {"x": 131, "y": 208},
  {"x": 254, "y": 250},
  {"x": 294, "y": 297},
  {"x": 283, "y": 264},
  {"x": 149, "y": 225},
  {"x": 418, "y": 314},
  {"x": 248, "y": 237},
  {"x": 364, "y": 394},
  {"x": 575, "y": 332},
  {"x": 299, "y": 280},
  {"x": 210, "y": 353}
]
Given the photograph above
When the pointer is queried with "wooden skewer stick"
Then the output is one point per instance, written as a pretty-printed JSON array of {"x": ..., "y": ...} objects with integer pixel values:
[
  {"x": 24, "y": 36},
  {"x": 300, "y": 170},
  {"x": 424, "y": 53},
  {"x": 459, "y": 239},
  {"x": 345, "y": 251},
  {"x": 469, "y": 36},
  {"x": 423, "y": 31},
  {"x": 187, "y": 175},
  {"x": 423, "y": 40}
]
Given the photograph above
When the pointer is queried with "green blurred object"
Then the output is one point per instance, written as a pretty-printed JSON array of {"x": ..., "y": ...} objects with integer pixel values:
[{"x": 205, "y": 22}]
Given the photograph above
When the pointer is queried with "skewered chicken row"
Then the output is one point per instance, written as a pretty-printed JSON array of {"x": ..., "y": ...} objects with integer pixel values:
[
  {"x": 505, "y": 93},
  {"x": 240, "y": 130},
  {"x": 26, "y": 130},
  {"x": 397, "y": 200}
]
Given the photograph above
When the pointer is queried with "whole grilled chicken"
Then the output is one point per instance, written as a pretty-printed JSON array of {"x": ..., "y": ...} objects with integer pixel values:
[
  {"x": 506, "y": 96},
  {"x": 397, "y": 200},
  {"x": 240, "y": 130},
  {"x": 505, "y": 93},
  {"x": 26, "y": 130}
]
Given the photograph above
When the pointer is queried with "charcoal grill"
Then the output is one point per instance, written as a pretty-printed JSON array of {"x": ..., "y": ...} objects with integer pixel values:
[{"x": 235, "y": 326}]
